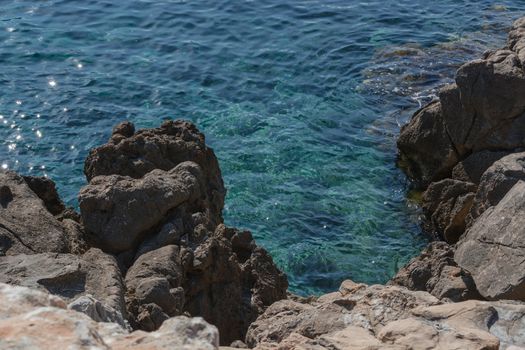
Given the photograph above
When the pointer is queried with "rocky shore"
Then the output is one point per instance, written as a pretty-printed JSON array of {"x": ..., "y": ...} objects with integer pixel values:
[{"x": 149, "y": 264}]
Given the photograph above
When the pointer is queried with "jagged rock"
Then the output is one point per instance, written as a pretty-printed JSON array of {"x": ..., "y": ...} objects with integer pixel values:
[
  {"x": 30, "y": 319},
  {"x": 472, "y": 168},
  {"x": 497, "y": 181},
  {"x": 136, "y": 154},
  {"x": 493, "y": 249},
  {"x": 447, "y": 204},
  {"x": 426, "y": 151},
  {"x": 387, "y": 317},
  {"x": 227, "y": 279},
  {"x": 26, "y": 226},
  {"x": 45, "y": 189},
  {"x": 120, "y": 210},
  {"x": 436, "y": 272},
  {"x": 68, "y": 276},
  {"x": 482, "y": 111}
]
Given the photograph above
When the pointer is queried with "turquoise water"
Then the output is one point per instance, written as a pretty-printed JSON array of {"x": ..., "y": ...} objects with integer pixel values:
[{"x": 301, "y": 100}]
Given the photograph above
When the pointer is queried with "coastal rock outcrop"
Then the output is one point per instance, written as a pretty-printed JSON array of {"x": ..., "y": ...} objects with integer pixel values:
[{"x": 387, "y": 317}]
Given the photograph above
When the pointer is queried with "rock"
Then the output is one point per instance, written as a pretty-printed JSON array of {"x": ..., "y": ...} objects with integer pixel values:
[
  {"x": 26, "y": 226},
  {"x": 68, "y": 276},
  {"x": 163, "y": 148},
  {"x": 472, "y": 168},
  {"x": 46, "y": 190},
  {"x": 447, "y": 204},
  {"x": 436, "y": 272},
  {"x": 120, "y": 210},
  {"x": 493, "y": 248},
  {"x": 497, "y": 181},
  {"x": 227, "y": 279},
  {"x": 426, "y": 152},
  {"x": 482, "y": 111},
  {"x": 97, "y": 311},
  {"x": 30, "y": 319},
  {"x": 387, "y": 317}
]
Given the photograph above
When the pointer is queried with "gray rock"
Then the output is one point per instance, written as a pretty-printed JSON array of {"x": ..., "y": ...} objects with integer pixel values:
[
  {"x": 497, "y": 181},
  {"x": 120, "y": 210},
  {"x": 494, "y": 247},
  {"x": 98, "y": 311},
  {"x": 26, "y": 226},
  {"x": 68, "y": 276},
  {"x": 472, "y": 168}
]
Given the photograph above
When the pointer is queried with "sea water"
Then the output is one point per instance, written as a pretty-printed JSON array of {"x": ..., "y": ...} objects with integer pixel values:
[{"x": 301, "y": 100}]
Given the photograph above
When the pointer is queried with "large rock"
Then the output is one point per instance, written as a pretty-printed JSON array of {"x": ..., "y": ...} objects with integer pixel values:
[
  {"x": 436, "y": 272},
  {"x": 31, "y": 319},
  {"x": 497, "y": 181},
  {"x": 472, "y": 168},
  {"x": 379, "y": 317},
  {"x": 120, "y": 210},
  {"x": 68, "y": 276},
  {"x": 134, "y": 154},
  {"x": 426, "y": 152},
  {"x": 493, "y": 249},
  {"x": 227, "y": 279},
  {"x": 26, "y": 226},
  {"x": 482, "y": 111}
]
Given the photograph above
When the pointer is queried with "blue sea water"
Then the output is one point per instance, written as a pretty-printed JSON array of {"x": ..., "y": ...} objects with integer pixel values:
[{"x": 301, "y": 100}]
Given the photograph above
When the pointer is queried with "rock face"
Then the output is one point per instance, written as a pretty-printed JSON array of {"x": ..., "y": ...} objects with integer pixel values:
[
  {"x": 379, "y": 317},
  {"x": 493, "y": 249},
  {"x": 149, "y": 244},
  {"x": 436, "y": 272},
  {"x": 31, "y": 319}
]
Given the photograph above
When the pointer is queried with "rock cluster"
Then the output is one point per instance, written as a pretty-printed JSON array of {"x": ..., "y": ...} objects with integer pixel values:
[
  {"x": 149, "y": 243},
  {"x": 466, "y": 151}
]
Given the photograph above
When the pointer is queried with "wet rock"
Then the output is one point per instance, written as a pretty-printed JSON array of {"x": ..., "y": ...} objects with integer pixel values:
[
  {"x": 120, "y": 210},
  {"x": 26, "y": 226},
  {"x": 387, "y": 317},
  {"x": 497, "y": 181},
  {"x": 447, "y": 204},
  {"x": 494, "y": 247},
  {"x": 426, "y": 152},
  {"x": 436, "y": 272}
]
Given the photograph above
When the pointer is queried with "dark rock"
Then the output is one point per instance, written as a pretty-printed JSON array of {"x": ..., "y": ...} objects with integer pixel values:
[
  {"x": 45, "y": 189},
  {"x": 26, "y": 226},
  {"x": 472, "y": 168},
  {"x": 493, "y": 249},
  {"x": 210, "y": 280},
  {"x": 436, "y": 272},
  {"x": 426, "y": 152},
  {"x": 447, "y": 204},
  {"x": 126, "y": 129}
]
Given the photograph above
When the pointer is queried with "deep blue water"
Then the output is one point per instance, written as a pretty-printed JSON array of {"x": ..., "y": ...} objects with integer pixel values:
[{"x": 301, "y": 100}]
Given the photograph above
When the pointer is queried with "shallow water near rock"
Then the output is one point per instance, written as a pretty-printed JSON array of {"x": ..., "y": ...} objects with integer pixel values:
[{"x": 301, "y": 101}]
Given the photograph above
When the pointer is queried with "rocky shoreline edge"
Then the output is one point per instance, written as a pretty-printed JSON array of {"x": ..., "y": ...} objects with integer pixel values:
[{"x": 149, "y": 264}]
